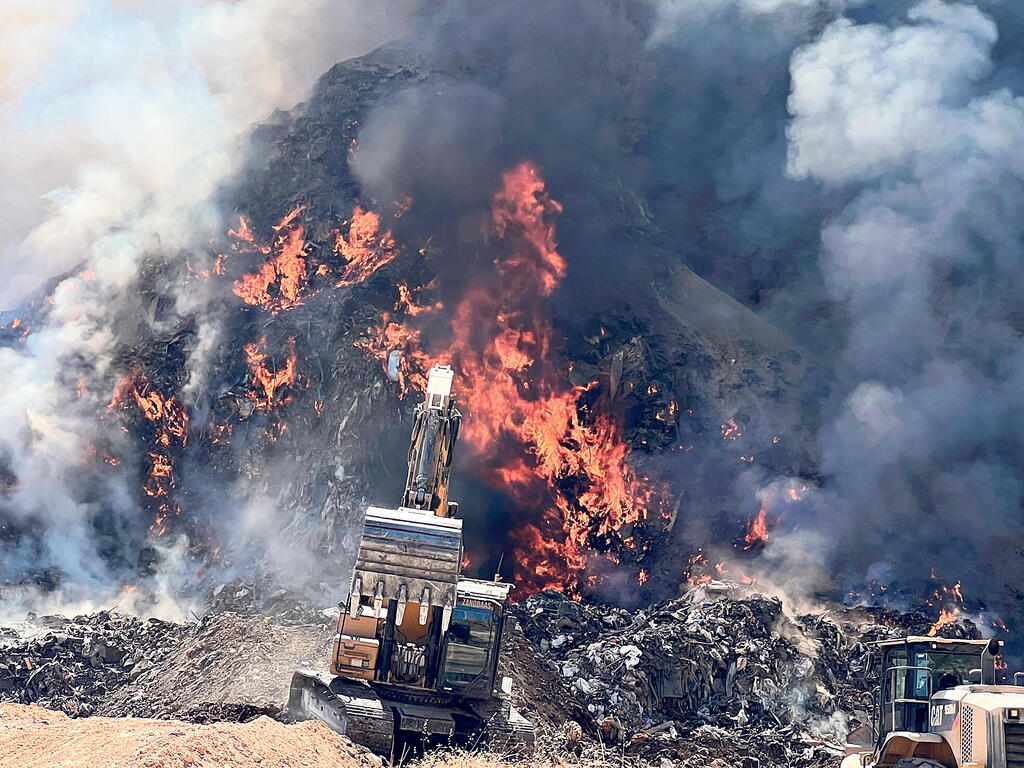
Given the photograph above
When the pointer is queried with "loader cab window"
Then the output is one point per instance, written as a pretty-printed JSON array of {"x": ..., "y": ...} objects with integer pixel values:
[
  {"x": 470, "y": 643},
  {"x": 912, "y": 675}
]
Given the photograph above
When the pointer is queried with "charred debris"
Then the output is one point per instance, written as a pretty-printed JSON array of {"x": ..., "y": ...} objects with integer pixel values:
[{"x": 720, "y": 674}]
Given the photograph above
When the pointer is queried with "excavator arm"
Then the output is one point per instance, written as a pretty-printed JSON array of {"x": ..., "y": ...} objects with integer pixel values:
[{"x": 434, "y": 432}]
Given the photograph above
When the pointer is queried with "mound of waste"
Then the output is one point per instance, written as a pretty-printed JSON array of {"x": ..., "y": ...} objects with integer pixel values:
[
  {"x": 721, "y": 676},
  {"x": 718, "y": 674},
  {"x": 223, "y": 667},
  {"x": 72, "y": 664}
]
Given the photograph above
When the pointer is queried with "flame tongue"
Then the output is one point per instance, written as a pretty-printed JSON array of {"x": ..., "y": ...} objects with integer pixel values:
[
  {"x": 946, "y": 617},
  {"x": 170, "y": 434},
  {"x": 268, "y": 379},
  {"x": 366, "y": 249},
  {"x": 530, "y": 429},
  {"x": 278, "y": 283}
]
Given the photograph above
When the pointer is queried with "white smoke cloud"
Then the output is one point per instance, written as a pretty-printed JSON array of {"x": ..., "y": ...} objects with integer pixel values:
[
  {"x": 866, "y": 98},
  {"x": 109, "y": 108},
  {"x": 921, "y": 448},
  {"x": 117, "y": 122}
]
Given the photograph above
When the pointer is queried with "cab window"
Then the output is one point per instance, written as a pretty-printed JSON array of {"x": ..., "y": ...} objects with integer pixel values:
[{"x": 470, "y": 640}]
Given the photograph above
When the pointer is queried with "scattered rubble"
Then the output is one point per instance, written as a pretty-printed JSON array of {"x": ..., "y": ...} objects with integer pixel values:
[
  {"x": 719, "y": 673},
  {"x": 721, "y": 676},
  {"x": 261, "y": 599},
  {"x": 72, "y": 664}
]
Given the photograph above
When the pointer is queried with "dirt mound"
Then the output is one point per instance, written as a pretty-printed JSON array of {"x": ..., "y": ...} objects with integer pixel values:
[
  {"x": 32, "y": 737},
  {"x": 239, "y": 666}
]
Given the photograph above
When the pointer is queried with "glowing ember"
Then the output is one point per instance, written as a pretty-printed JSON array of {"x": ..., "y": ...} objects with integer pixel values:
[
  {"x": 366, "y": 249},
  {"x": 731, "y": 430}
]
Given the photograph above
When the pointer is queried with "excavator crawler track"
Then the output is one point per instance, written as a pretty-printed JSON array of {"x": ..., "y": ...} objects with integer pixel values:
[
  {"x": 350, "y": 708},
  {"x": 505, "y": 730}
]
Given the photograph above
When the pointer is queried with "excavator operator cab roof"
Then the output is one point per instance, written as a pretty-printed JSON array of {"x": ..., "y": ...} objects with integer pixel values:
[{"x": 479, "y": 590}]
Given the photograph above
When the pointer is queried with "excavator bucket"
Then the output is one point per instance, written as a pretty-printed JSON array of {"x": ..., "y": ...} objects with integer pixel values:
[{"x": 407, "y": 556}]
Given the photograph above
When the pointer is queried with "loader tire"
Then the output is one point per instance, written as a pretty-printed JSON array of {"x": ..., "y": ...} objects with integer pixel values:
[{"x": 918, "y": 762}]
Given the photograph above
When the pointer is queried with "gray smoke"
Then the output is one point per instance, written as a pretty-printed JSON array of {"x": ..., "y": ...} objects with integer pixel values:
[
  {"x": 847, "y": 170},
  {"x": 117, "y": 123},
  {"x": 922, "y": 450}
]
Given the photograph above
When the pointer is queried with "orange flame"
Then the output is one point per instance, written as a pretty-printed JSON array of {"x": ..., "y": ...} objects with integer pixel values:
[
  {"x": 366, "y": 249},
  {"x": 268, "y": 379},
  {"x": 757, "y": 533},
  {"x": 279, "y": 282},
  {"x": 170, "y": 425},
  {"x": 946, "y": 617},
  {"x": 530, "y": 430}
]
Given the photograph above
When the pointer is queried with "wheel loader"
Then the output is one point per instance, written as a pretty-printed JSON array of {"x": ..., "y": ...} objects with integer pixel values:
[
  {"x": 415, "y": 657},
  {"x": 938, "y": 706}
]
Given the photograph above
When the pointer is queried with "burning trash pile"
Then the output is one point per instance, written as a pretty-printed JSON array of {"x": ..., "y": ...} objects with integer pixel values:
[
  {"x": 718, "y": 672},
  {"x": 71, "y": 664}
]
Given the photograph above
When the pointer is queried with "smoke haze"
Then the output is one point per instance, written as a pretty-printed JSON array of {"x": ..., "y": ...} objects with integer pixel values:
[{"x": 848, "y": 171}]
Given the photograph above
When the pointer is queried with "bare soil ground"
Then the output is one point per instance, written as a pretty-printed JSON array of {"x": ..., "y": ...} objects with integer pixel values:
[{"x": 31, "y": 737}]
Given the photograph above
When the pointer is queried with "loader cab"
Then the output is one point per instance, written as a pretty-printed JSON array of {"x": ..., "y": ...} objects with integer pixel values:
[{"x": 916, "y": 667}]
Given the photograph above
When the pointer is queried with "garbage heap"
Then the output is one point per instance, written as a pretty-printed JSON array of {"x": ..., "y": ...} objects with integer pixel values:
[
  {"x": 719, "y": 674},
  {"x": 69, "y": 664},
  {"x": 263, "y": 598}
]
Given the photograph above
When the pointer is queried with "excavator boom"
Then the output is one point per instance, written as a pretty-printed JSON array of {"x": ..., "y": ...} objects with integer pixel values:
[{"x": 434, "y": 432}]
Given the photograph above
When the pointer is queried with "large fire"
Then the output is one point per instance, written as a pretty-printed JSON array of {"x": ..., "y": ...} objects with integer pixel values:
[
  {"x": 536, "y": 440},
  {"x": 553, "y": 447}
]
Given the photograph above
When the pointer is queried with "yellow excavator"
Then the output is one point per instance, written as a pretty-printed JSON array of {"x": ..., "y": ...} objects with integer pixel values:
[
  {"x": 938, "y": 706},
  {"x": 415, "y": 657}
]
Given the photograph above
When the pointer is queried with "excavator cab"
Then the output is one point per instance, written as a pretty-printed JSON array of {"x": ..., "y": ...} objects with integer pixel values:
[
  {"x": 415, "y": 658},
  {"x": 398, "y": 650},
  {"x": 473, "y": 640}
]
